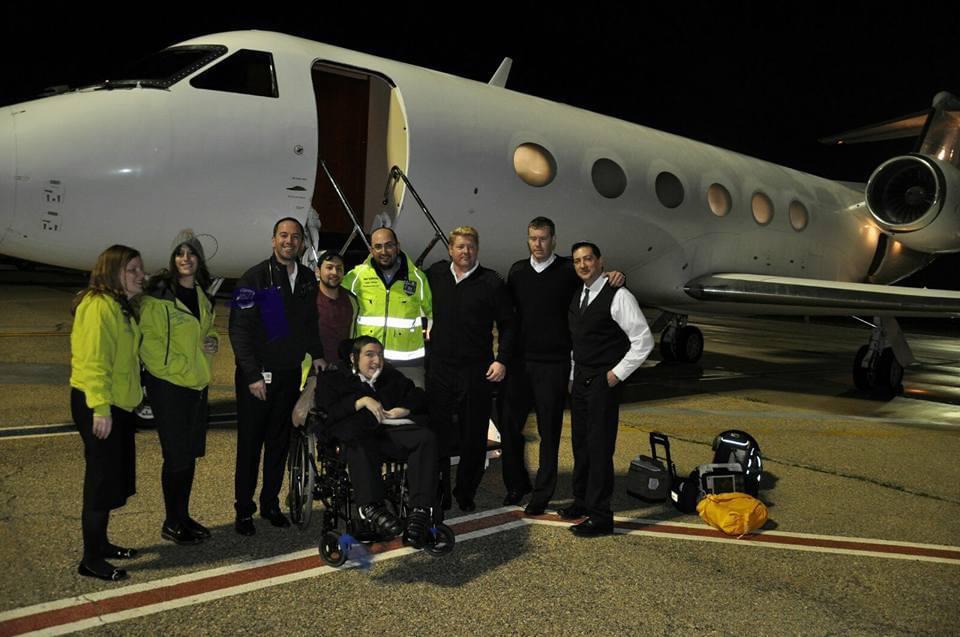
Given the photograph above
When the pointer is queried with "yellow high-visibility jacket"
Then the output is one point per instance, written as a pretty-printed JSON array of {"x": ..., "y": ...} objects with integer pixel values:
[
  {"x": 104, "y": 362},
  {"x": 393, "y": 314},
  {"x": 172, "y": 348}
]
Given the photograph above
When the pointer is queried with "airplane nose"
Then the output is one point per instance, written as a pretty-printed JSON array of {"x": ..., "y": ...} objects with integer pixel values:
[{"x": 7, "y": 171}]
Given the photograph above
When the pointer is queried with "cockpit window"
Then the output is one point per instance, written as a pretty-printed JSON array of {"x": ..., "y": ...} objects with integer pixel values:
[
  {"x": 167, "y": 67},
  {"x": 248, "y": 72}
]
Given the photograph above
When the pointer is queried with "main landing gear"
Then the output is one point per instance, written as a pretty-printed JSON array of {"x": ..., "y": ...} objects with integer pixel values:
[
  {"x": 678, "y": 341},
  {"x": 878, "y": 365}
]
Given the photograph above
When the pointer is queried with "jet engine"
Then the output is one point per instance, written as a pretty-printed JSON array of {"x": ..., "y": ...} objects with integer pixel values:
[{"x": 916, "y": 200}]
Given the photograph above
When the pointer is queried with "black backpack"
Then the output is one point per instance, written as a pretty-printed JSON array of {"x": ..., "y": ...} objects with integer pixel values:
[{"x": 740, "y": 447}]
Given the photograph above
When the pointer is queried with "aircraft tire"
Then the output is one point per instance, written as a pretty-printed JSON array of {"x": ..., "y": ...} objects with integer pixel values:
[
  {"x": 668, "y": 344},
  {"x": 689, "y": 344},
  {"x": 861, "y": 375},
  {"x": 888, "y": 375}
]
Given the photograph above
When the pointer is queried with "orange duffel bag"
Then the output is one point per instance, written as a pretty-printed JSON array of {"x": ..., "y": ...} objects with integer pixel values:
[{"x": 732, "y": 513}]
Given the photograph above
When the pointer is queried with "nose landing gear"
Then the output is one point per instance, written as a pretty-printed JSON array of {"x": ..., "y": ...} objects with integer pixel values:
[{"x": 878, "y": 365}]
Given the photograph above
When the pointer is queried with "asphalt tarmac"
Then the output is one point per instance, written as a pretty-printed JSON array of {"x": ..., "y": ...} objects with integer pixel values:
[{"x": 863, "y": 496}]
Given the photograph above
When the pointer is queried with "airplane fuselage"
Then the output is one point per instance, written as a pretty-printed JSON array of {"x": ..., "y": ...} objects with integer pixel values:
[{"x": 134, "y": 165}]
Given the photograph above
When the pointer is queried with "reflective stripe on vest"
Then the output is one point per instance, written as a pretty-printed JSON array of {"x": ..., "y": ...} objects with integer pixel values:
[
  {"x": 397, "y": 355},
  {"x": 379, "y": 321}
]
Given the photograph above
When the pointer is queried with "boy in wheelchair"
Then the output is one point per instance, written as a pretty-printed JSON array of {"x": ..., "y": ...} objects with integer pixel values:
[{"x": 375, "y": 413}]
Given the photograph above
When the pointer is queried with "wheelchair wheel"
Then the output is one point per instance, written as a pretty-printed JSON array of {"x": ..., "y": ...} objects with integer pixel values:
[
  {"x": 330, "y": 549},
  {"x": 300, "y": 468},
  {"x": 443, "y": 540}
]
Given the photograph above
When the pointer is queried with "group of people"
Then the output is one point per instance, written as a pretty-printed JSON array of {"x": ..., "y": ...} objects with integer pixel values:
[
  {"x": 562, "y": 325},
  {"x": 167, "y": 331}
]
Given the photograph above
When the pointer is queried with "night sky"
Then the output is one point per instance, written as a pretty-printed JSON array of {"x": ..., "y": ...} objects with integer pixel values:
[{"x": 750, "y": 77}]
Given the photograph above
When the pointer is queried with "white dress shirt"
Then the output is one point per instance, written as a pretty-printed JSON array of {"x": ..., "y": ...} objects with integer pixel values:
[
  {"x": 625, "y": 311},
  {"x": 457, "y": 279},
  {"x": 293, "y": 277},
  {"x": 540, "y": 266}
]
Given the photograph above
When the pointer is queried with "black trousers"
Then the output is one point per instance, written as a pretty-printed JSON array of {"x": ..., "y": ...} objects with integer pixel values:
[
  {"x": 110, "y": 471},
  {"x": 180, "y": 414},
  {"x": 413, "y": 443},
  {"x": 263, "y": 424},
  {"x": 460, "y": 403},
  {"x": 542, "y": 385},
  {"x": 595, "y": 415}
]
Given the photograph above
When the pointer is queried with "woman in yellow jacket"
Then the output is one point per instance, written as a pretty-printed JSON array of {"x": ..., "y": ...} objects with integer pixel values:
[
  {"x": 105, "y": 381},
  {"x": 179, "y": 341}
]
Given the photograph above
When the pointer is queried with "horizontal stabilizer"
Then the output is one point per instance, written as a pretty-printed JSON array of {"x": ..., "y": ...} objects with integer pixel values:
[
  {"x": 900, "y": 128},
  {"x": 840, "y": 298}
]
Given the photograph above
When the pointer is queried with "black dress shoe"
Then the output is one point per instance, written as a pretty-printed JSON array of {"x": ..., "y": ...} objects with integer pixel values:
[
  {"x": 197, "y": 529},
  {"x": 592, "y": 527},
  {"x": 466, "y": 504},
  {"x": 178, "y": 534},
  {"x": 383, "y": 521},
  {"x": 418, "y": 528},
  {"x": 572, "y": 512},
  {"x": 107, "y": 573},
  {"x": 244, "y": 526},
  {"x": 276, "y": 518},
  {"x": 535, "y": 508},
  {"x": 514, "y": 496},
  {"x": 115, "y": 552}
]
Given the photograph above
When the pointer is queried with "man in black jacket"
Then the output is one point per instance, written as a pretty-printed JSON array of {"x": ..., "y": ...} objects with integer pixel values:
[
  {"x": 372, "y": 410},
  {"x": 467, "y": 300},
  {"x": 273, "y": 324}
]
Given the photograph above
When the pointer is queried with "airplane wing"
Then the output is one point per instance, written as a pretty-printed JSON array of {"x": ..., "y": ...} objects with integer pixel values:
[{"x": 827, "y": 296}]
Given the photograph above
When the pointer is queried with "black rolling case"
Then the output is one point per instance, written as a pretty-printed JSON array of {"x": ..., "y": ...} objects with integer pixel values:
[{"x": 649, "y": 476}]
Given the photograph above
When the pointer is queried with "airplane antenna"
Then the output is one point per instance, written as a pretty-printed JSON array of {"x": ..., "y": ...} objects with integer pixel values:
[{"x": 503, "y": 71}]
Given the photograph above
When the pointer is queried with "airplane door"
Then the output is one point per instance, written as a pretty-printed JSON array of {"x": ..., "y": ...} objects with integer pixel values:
[{"x": 361, "y": 135}]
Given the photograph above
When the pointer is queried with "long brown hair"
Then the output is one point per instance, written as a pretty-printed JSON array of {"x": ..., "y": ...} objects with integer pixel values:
[{"x": 105, "y": 277}]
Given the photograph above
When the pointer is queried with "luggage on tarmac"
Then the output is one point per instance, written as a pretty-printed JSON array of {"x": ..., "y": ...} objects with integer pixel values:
[
  {"x": 649, "y": 477},
  {"x": 736, "y": 468},
  {"x": 732, "y": 513},
  {"x": 739, "y": 446}
]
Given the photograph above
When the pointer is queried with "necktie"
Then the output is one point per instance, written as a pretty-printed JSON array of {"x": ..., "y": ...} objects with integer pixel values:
[{"x": 583, "y": 303}]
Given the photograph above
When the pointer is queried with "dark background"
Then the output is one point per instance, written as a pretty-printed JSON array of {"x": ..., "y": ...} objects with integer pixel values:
[{"x": 764, "y": 79}]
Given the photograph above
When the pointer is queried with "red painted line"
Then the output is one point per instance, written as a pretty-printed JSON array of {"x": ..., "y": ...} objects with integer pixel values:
[
  {"x": 850, "y": 545},
  {"x": 89, "y": 609},
  {"x": 124, "y": 602}
]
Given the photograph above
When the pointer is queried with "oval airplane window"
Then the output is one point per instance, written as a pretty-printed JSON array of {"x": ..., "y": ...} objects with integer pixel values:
[
  {"x": 608, "y": 178},
  {"x": 762, "y": 208},
  {"x": 719, "y": 200},
  {"x": 669, "y": 190},
  {"x": 534, "y": 164},
  {"x": 799, "y": 217}
]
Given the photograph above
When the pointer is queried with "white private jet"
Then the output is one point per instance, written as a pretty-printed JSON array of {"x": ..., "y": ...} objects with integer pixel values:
[{"x": 226, "y": 133}]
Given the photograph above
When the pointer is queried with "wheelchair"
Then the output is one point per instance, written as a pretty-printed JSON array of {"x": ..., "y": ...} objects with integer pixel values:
[{"x": 318, "y": 473}]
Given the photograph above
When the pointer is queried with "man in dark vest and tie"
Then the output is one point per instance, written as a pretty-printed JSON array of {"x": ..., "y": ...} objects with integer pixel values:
[{"x": 610, "y": 340}]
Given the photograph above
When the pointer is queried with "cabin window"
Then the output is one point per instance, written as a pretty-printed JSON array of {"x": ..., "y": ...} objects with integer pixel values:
[
  {"x": 762, "y": 208},
  {"x": 534, "y": 164},
  {"x": 799, "y": 217},
  {"x": 165, "y": 68},
  {"x": 719, "y": 200},
  {"x": 669, "y": 190},
  {"x": 247, "y": 72},
  {"x": 608, "y": 178}
]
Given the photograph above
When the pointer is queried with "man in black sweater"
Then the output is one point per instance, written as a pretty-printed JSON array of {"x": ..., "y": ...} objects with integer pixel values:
[
  {"x": 541, "y": 288},
  {"x": 467, "y": 300},
  {"x": 610, "y": 340},
  {"x": 273, "y": 324}
]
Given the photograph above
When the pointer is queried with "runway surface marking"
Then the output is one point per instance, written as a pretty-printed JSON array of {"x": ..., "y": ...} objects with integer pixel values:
[{"x": 137, "y": 600}]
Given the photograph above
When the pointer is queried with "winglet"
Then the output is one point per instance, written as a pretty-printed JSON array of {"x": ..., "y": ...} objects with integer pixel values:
[{"x": 503, "y": 71}]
